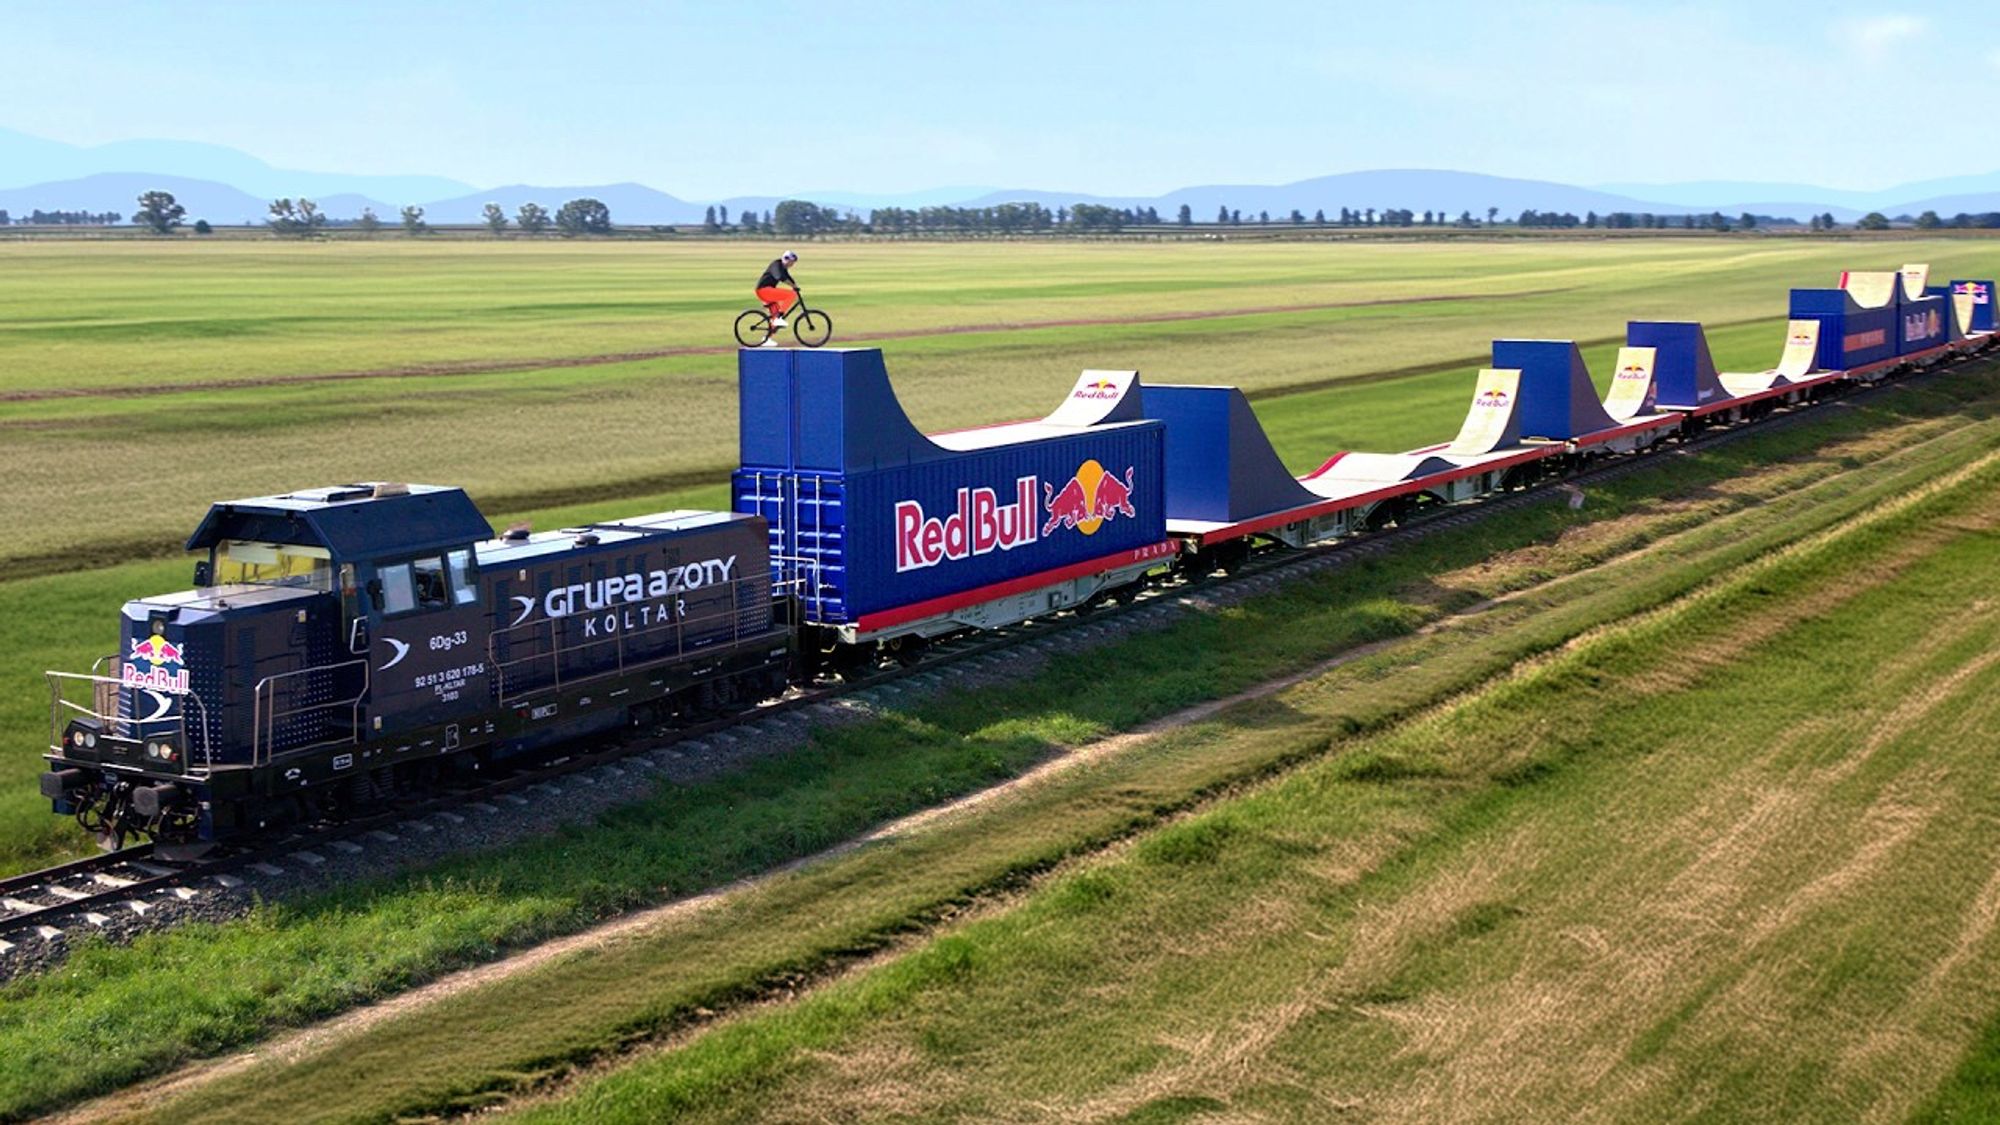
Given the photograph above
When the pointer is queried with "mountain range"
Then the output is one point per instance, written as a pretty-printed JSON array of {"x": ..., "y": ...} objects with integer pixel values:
[{"x": 227, "y": 186}]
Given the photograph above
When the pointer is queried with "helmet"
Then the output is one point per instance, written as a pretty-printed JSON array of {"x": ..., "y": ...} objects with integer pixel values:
[{"x": 790, "y": 255}]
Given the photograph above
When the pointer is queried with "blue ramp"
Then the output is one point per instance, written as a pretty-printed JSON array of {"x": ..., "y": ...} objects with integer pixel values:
[
  {"x": 1220, "y": 465},
  {"x": 1683, "y": 370},
  {"x": 1558, "y": 400}
]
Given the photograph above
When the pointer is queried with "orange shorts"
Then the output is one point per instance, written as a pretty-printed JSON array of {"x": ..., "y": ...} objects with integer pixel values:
[{"x": 776, "y": 299}]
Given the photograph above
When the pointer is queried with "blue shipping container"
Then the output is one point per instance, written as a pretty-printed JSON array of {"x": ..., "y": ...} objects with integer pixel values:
[
  {"x": 1849, "y": 335},
  {"x": 1921, "y": 323},
  {"x": 868, "y": 515}
]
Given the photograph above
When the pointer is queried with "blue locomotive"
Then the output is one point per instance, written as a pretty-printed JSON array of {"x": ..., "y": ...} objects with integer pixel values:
[{"x": 342, "y": 645}]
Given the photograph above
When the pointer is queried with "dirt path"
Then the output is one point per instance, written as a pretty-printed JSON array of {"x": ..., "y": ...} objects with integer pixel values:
[{"x": 489, "y": 367}]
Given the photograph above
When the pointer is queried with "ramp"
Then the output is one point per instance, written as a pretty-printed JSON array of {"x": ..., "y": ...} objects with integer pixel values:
[
  {"x": 1915, "y": 279},
  {"x": 1632, "y": 394},
  {"x": 1220, "y": 465},
  {"x": 1980, "y": 296},
  {"x": 1379, "y": 468},
  {"x": 1099, "y": 397},
  {"x": 1558, "y": 400},
  {"x": 1492, "y": 421},
  {"x": 1872, "y": 289},
  {"x": 1801, "y": 356},
  {"x": 1683, "y": 369}
]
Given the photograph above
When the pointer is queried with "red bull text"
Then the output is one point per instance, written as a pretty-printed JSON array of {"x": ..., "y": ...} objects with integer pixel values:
[
  {"x": 981, "y": 523},
  {"x": 157, "y": 663}
]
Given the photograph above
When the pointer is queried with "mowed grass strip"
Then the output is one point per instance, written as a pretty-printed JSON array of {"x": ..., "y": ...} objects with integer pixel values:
[
  {"x": 1731, "y": 860},
  {"x": 77, "y": 316},
  {"x": 465, "y": 1049}
]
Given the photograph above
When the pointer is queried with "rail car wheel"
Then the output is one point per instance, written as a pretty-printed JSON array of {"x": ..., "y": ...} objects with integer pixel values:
[
  {"x": 906, "y": 650},
  {"x": 753, "y": 327}
]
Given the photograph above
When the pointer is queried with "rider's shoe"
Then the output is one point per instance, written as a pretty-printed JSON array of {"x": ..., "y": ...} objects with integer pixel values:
[{"x": 777, "y": 322}]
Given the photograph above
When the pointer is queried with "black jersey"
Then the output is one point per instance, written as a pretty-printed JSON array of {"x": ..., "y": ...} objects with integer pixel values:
[{"x": 775, "y": 273}]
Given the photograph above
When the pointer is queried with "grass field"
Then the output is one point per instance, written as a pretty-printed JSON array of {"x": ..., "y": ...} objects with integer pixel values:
[
  {"x": 104, "y": 485},
  {"x": 140, "y": 382},
  {"x": 1396, "y": 773}
]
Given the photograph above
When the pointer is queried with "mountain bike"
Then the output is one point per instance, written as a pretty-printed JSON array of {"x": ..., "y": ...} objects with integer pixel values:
[{"x": 810, "y": 327}]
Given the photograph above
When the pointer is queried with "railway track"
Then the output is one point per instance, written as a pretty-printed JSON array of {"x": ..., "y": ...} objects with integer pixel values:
[{"x": 131, "y": 888}]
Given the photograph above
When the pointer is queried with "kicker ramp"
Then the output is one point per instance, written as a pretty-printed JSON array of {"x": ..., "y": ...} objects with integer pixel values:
[
  {"x": 1633, "y": 391},
  {"x": 1493, "y": 421},
  {"x": 1684, "y": 375},
  {"x": 1220, "y": 465},
  {"x": 1099, "y": 397},
  {"x": 1975, "y": 302},
  {"x": 1558, "y": 400}
]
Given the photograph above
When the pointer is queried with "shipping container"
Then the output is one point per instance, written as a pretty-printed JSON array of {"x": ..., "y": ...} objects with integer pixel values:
[
  {"x": 875, "y": 526},
  {"x": 1850, "y": 336}
]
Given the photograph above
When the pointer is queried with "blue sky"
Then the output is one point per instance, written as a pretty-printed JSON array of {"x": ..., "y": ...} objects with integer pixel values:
[{"x": 712, "y": 100}]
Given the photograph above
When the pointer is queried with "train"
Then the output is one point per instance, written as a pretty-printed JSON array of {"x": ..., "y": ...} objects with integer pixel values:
[{"x": 341, "y": 646}]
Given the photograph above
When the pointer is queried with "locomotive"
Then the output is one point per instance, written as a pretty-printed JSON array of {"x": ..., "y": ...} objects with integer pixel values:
[{"x": 345, "y": 644}]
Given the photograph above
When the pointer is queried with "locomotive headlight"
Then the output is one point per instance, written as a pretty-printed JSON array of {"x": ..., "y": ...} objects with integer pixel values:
[
  {"x": 90, "y": 739},
  {"x": 152, "y": 749},
  {"x": 76, "y": 739}
]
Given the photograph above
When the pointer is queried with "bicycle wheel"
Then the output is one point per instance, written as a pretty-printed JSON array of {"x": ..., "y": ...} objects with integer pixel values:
[
  {"x": 753, "y": 328},
  {"x": 812, "y": 327}
]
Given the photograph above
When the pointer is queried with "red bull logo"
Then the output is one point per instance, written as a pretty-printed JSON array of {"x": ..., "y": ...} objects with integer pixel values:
[
  {"x": 1974, "y": 289},
  {"x": 1092, "y": 498},
  {"x": 1922, "y": 325},
  {"x": 1494, "y": 397},
  {"x": 155, "y": 662},
  {"x": 1101, "y": 389},
  {"x": 980, "y": 523}
]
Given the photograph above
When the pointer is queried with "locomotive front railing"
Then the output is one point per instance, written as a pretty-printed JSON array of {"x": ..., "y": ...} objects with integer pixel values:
[
  {"x": 196, "y": 754},
  {"x": 554, "y": 664},
  {"x": 266, "y": 717}
]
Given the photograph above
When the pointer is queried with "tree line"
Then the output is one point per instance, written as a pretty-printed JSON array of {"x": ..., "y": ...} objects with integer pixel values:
[{"x": 302, "y": 218}]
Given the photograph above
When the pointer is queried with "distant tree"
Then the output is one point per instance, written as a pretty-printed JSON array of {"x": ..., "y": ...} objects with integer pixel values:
[
  {"x": 158, "y": 210},
  {"x": 1492, "y": 213},
  {"x": 722, "y": 216},
  {"x": 1263, "y": 216},
  {"x": 1826, "y": 221},
  {"x": 532, "y": 218},
  {"x": 1236, "y": 216},
  {"x": 708, "y": 223},
  {"x": 496, "y": 219},
  {"x": 1746, "y": 221},
  {"x": 1873, "y": 220},
  {"x": 1186, "y": 216},
  {"x": 583, "y": 216},
  {"x": 4, "y": 219},
  {"x": 368, "y": 223},
  {"x": 1929, "y": 221},
  {"x": 1465, "y": 219},
  {"x": 1717, "y": 222},
  {"x": 1222, "y": 215},
  {"x": 1368, "y": 216},
  {"x": 200, "y": 225},
  {"x": 1319, "y": 218},
  {"x": 295, "y": 220},
  {"x": 1298, "y": 217},
  {"x": 413, "y": 221}
]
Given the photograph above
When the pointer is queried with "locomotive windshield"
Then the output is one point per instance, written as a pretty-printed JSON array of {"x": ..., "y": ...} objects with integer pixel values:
[{"x": 272, "y": 564}]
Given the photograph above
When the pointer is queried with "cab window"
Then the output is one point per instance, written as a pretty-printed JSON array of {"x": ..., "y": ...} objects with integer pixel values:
[
  {"x": 240, "y": 561},
  {"x": 463, "y": 591},
  {"x": 398, "y": 592},
  {"x": 432, "y": 593}
]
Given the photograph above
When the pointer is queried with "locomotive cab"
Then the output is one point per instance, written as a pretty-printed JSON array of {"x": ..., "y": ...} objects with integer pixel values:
[{"x": 271, "y": 660}]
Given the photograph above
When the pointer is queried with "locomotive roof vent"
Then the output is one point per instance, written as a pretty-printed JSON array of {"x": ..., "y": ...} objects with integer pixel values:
[
  {"x": 390, "y": 488},
  {"x": 587, "y": 539},
  {"x": 516, "y": 533},
  {"x": 334, "y": 494}
]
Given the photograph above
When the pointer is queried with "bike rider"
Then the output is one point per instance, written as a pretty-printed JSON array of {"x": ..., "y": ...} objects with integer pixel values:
[{"x": 777, "y": 302}]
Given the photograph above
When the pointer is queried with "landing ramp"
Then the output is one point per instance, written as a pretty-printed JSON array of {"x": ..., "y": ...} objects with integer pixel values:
[{"x": 1493, "y": 420}]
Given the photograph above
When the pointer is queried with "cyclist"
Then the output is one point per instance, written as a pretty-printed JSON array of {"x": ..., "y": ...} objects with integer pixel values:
[{"x": 776, "y": 301}]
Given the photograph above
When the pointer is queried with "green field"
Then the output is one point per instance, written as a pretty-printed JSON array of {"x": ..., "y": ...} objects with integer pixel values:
[{"x": 1339, "y": 884}]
